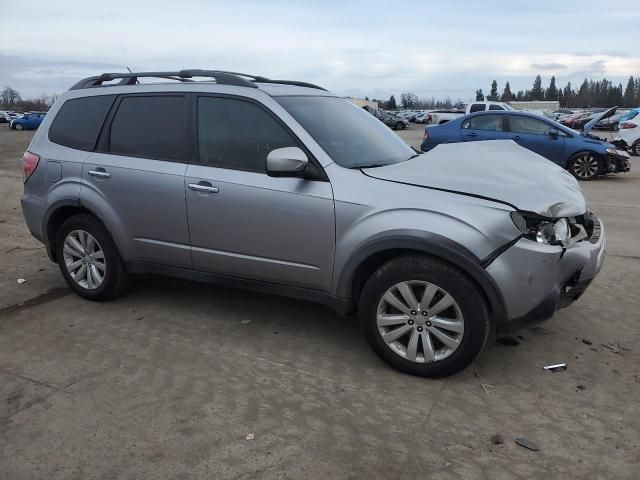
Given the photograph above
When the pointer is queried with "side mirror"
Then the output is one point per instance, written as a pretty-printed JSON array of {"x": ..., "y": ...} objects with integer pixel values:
[
  {"x": 286, "y": 162},
  {"x": 553, "y": 132}
]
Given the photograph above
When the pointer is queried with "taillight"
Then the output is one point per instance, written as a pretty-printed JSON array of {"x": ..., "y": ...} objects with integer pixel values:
[
  {"x": 426, "y": 134},
  {"x": 628, "y": 125},
  {"x": 29, "y": 164}
]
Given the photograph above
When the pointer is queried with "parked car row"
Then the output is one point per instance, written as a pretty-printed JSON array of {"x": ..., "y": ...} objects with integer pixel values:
[
  {"x": 7, "y": 115},
  {"x": 582, "y": 154},
  {"x": 27, "y": 120},
  {"x": 576, "y": 119}
]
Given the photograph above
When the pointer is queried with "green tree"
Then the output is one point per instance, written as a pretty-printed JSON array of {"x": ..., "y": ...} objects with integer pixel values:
[
  {"x": 583, "y": 97},
  {"x": 629, "y": 99},
  {"x": 536, "y": 92},
  {"x": 520, "y": 96},
  {"x": 507, "y": 96},
  {"x": 552, "y": 92},
  {"x": 479, "y": 95},
  {"x": 561, "y": 100},
  {"x": 493, "y": 96},
  {"x": 569, "y": 95}
]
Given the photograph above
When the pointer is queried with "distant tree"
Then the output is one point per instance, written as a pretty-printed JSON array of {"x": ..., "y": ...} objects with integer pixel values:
[
  {"x": 583, "y": 97},
  {"x": 391, "y": 104},
  {"x": 630, "y": 93},
  {"x": 507, "y": 96},
  {"x": 479, "y": 95},
  {"x": 493, "y": 96},
  {"x": 520, "y": 96},
  {"x": 561, "y": 98},
  {"x": 9, "y": 97},
  {"x": 552, "y": 92},
  {"x": 408, "y": 99},
  {"x": 569, "y": 95},
  {"x": 536, "y": 92}
]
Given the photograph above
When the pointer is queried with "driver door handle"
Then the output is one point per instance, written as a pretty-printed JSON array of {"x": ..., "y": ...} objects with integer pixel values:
[{"x": 199, "y": 187}]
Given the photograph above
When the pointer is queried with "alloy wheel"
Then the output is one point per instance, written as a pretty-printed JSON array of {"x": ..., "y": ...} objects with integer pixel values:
[
  {"x": 585, "y": 166},
  {"x": 84, "y": 259},
  {"x": 420, "y": 321}
]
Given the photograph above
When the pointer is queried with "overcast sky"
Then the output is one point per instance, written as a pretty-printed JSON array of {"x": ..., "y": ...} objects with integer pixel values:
[{"x": 375, "y": 48}]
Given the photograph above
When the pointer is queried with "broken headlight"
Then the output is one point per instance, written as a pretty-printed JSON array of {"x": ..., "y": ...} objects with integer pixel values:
[{"x": 543, "y": 230}]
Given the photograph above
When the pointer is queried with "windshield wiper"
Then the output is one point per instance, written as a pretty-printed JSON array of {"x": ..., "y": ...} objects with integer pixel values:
[{"x": 371, "y": 165}]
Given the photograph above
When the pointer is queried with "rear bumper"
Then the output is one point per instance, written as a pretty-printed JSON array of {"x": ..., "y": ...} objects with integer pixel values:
[
  {"x": 536, "y": 280},
  {"x": 34, "y": 211}
]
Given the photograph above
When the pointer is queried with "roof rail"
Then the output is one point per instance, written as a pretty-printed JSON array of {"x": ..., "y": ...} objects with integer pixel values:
[{"x": 221, "y": 77}]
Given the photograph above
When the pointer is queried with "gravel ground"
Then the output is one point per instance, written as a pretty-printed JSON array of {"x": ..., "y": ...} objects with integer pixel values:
[{"x": 173, "y": 380}]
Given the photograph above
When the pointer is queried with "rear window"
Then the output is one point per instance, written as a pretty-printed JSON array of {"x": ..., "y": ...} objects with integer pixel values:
[
  {"x": 495, "y": 107},
  {"x": 150, "y": 127},
  {"x": 477, "y": 107},
  {"x": 79, "y": 120}
]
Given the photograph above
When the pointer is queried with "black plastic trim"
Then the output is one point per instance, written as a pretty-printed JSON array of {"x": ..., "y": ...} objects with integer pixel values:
[
  {"x": 431, "y": 244},
  {"x": 488, "y": 260}
]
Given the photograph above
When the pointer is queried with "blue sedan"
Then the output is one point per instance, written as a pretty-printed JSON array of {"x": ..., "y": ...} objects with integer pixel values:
[
  {"x": 583, "y": 155},
  {"x": 28, "y": 121}
]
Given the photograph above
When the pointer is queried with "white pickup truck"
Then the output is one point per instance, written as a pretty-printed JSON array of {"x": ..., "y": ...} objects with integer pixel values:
[{"x": 439, "y": 117}]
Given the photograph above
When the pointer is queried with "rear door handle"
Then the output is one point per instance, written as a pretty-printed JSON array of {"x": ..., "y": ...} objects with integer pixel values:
[
  {"x": 517, "y": 137},
  {"x": 99, "y": 173},
  {"x": 472, "y": 134},
  {"x": 199, "y": 187}
]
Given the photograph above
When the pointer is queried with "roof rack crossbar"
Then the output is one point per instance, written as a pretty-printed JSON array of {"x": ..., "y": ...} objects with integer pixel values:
[{"x": 221, "y": 77}]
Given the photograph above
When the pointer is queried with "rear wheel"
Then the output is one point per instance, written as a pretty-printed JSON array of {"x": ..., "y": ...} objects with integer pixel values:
[
  {"x": 585, "y": 166},
  {"x": 399, "y": 126},
  {"x": 18, "y": 126},
  {"x": 89, "y": 260},
  {"x": 424, "y": 317}
]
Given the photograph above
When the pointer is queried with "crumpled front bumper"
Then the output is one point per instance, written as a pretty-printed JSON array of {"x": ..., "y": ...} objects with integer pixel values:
[{"x": 536, "y": 280}]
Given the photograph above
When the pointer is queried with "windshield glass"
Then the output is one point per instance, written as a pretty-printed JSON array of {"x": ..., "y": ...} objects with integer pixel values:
[{"x": 352, "y": 137}]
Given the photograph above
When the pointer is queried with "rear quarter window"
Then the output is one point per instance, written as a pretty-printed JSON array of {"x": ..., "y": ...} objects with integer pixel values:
[{"x": 79, "y": 121}]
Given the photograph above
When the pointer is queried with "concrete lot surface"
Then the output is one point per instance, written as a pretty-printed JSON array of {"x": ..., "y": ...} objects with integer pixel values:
[{"x": 168, "y": 381}]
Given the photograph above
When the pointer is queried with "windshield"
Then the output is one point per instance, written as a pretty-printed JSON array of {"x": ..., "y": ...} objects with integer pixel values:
[{"x": 352, "y": 137}]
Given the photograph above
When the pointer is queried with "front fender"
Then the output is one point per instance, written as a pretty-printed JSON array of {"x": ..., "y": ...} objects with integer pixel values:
[{"x": 429, "y": 244}]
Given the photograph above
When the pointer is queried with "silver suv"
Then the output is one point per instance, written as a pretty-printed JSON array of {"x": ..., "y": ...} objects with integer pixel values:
[{"x": 283, "y": 187}]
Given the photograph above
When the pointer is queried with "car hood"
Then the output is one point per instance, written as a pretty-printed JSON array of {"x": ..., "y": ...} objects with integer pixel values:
[
  {"x": 591, "y": 123},
  {"x": 498, "y": 170}
]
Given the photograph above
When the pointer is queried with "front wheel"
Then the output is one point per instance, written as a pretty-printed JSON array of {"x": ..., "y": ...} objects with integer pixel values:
[
  {"x": 399, "y": 126},
  {"x": 585, "y": 166},
  {"x": 423, "y": 316},
  {"x": 635, "y": 148}
]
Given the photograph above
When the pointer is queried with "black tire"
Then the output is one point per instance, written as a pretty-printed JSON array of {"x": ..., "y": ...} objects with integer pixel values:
[
  {"x": 635, "y": 148},
  {"x": 446, "y": 276},
  {"x": 116, "y": 280},
  {"x": 571, "y": 166},
  {"x": 399, "y": 126},
  {"x": 18, "y": 126}
]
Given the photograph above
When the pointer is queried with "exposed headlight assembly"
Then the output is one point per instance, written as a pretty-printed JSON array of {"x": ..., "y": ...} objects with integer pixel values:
[
  {"x": 543, "y": 230},
  {"x": 617, "y": 153}
]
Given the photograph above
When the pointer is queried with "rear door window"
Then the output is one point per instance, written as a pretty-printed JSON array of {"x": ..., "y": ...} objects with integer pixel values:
[
  {"x": 492, "y": 123},
  {"x": 532, "y": 126},
  {"x": 477, "y": 107},
  {"x": 495, "y": 107},
  {"x": 79, "y": 121},
  {"x": 237, "y": 134},
  {"x": 150, "y": 126}
]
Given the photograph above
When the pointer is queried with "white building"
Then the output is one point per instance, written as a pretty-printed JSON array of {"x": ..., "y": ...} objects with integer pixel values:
[{"x": 536, "y": 105}]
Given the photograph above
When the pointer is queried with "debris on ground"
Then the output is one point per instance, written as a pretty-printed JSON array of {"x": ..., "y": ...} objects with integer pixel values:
[
  {"x": 581, "y": 387},
  {"x": 497, "y": 439},
  {"x": 245, "y": 321},
  {"x": 508, "y": 341},
  {"x": 520, "y": 337},
  {"x": 21, "y": 280},
  {"x": 250, "y": 436},
  {"x": 615, "y": 347},
  {"x": 538, "y": 330},
  {"x": 582, "y": 415},
  {"x": 587, "y": 342},
  {"x": 558, "y": 367},
  {"x": 487, "y": 387},
  {"x": 523, "y": 442}
]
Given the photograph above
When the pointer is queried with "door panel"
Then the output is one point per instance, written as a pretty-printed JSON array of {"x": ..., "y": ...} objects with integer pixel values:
[
  {"x": 258, "y": 227},
  {"x": 532, "y": 133},
  {"x": 145, "y": 203},
  {"x": 483, "y": 127}
]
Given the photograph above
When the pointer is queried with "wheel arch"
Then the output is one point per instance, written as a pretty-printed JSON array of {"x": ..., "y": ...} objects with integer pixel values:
[{"x": 371, "y": 256}]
